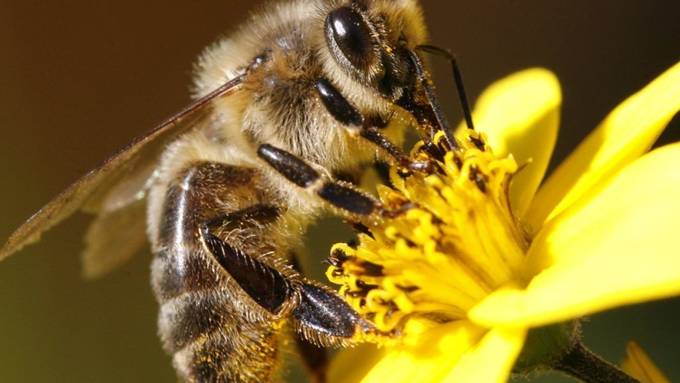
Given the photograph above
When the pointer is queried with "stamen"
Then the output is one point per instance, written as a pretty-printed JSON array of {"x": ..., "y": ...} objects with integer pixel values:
[{"x": 457, "y": 242}]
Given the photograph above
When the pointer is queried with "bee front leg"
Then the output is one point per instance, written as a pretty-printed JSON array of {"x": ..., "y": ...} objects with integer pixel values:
[{"x": 369, "y": 128}]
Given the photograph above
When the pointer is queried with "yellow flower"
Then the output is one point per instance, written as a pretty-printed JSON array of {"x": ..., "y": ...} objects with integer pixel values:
[
  {"x": 638, "y": 365},
  {"x": 481, "y": 254}
]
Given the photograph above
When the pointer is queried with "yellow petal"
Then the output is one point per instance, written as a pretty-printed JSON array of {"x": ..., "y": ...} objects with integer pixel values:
[
  {"x": 638, "y": 365},
  {"x": 492, "y": 360},
  {"x": 352, "y": 364},
  {"x": 619, "y": 247},
  {"x": 430, "y": 358},
  {"x": 628, "y": 132},
  {"x": 520, "y": 116}
]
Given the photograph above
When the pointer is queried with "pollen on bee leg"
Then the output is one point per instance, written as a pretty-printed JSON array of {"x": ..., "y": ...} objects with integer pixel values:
[{"x": 457, "y": 241}]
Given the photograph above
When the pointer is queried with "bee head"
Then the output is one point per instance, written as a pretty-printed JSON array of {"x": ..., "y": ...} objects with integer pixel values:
[{"x": 369, "y": 40}]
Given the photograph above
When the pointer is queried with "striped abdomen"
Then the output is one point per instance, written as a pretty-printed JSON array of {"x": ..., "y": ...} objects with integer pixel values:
[
  {"x": 204, "y": 323},
  {"x": 209, "y": 338}
]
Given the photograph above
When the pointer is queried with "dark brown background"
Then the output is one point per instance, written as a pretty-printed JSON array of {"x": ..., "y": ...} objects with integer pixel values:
[{"x": 78, "y": 79}]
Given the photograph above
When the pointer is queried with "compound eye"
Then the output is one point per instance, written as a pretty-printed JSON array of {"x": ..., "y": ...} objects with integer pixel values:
[{"x": 348, "y": 32}]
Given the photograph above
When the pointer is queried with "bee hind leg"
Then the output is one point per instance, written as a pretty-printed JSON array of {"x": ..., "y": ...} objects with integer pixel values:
[
  {"x": 320, "y": 316},
  {"x": 324, "y": 319},
  {"x": 314, "y": 357},
  {"x": 264, "y": 284}
]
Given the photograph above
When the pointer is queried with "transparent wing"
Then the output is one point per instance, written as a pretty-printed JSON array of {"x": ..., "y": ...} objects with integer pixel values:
[
  {"x": 113, "y": 238},
  {"x": 93, "y": 190},
  {"x": 119, "y": 229}
]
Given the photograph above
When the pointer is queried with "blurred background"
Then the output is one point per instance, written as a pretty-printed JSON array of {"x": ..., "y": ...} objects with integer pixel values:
[{"x": 79, "y": 79}]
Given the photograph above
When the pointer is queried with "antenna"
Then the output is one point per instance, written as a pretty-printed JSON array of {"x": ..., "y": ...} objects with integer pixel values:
[{"x": 457, "y": 78}]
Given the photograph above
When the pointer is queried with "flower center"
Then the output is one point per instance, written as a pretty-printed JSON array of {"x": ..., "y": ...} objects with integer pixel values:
[{"x": 455, "y": 243}]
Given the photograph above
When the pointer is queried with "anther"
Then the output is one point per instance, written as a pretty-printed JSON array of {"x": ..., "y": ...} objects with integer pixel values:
[
  {"x": 478, "y": 178},
  {"x": 478, "y": 142}
]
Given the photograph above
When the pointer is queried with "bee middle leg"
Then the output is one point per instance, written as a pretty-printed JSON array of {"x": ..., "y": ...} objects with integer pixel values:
[
  {"x": 350, "y": 202},
  {"x": 339, "y": 194}
]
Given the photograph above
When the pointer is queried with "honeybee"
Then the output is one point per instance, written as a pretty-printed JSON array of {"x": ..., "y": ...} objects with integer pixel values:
[{"x": 304, "y": 94}]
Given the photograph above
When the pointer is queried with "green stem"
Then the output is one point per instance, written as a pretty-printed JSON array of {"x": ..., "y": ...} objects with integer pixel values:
[{"x": 581, "y": 363}]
